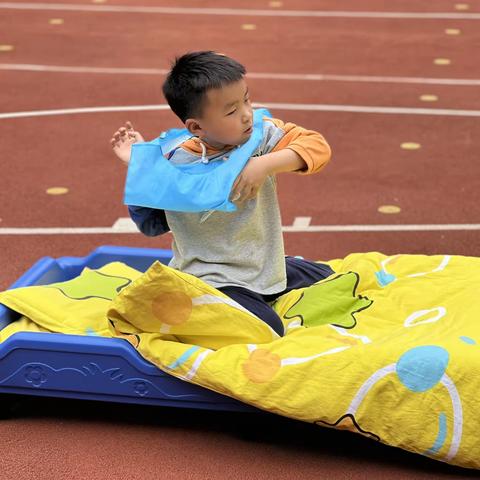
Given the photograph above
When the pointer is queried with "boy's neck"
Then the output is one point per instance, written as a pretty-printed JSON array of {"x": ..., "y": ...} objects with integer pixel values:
[{"x": 215, "y": 145}]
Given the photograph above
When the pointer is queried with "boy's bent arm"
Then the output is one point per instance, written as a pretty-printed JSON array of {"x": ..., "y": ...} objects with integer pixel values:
[
  {"x": 285, "y": 148},
  {"x": 285, "y": 160},
  {"x": 150, "y": 221},
  {"x": 300, "y": 150}
]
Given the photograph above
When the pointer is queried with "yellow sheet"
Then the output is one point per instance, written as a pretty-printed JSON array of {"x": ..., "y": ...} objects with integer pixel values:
[{"x": 388, "y": 347}]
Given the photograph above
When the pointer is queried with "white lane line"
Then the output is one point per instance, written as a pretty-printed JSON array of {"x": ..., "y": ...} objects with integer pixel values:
[
  {"x": 277, "y": 106},
  {"x": 125, "y": 227},
  {"x": 367, "y": 109},
  {"x": 31, "y": 67},
  {"x": 236, "y": 11},
  {"x": 383, "y": 228},
  {"x": 73, "y": 111},
  {"x": 124, "y": 224},
  {"x": 28, "y": 67},
  {"x": 301, "y": 222}
]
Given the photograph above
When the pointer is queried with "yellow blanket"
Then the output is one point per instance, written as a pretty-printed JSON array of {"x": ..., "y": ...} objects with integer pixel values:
[{"x": 388, "y": 347}]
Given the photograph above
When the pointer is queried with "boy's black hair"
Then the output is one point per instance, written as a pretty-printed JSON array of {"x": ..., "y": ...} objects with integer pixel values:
[{"x": 192, "y": 75}]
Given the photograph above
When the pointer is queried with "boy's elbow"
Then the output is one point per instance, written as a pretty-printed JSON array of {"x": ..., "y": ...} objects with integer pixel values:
[
  {"x": 153, "y": 227},
  {"x": 149, "y": 221},
  {"x": 153, "y": 231},
  {"x": 328, "y": 153},
  {"x": 320, "y": 156}
]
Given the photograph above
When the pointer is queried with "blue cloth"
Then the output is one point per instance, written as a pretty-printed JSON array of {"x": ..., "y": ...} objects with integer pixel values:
[
  {"x": 152, "y": 181},
  {"x": 300, "y": 274}
]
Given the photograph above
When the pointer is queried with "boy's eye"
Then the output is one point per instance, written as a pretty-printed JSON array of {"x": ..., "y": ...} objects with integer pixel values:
[{"x": 231, "y": 113}]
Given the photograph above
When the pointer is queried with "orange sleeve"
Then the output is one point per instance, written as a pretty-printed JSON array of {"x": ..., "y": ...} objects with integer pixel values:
[{"x": 310, "y": 145}]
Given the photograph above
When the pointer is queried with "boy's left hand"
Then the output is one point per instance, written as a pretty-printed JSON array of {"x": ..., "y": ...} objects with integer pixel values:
[{"x": 250, "y": 180}]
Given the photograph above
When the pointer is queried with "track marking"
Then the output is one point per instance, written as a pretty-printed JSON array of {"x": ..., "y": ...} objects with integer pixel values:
[
  {"x": 389, "y": 209},
  {"x": 269, "y": 76},
  {"x": 428, "y": 98},
  {"x": 236, "y": 11},
  {"x": 123, "y": 226},
  {"x": 57, "y": 190},
  {"x": 302, "y": 222},
  {"x": 410, "y": 146},
  {"x": 442, "y": 61},
  {"x": 277, "y": 106}
]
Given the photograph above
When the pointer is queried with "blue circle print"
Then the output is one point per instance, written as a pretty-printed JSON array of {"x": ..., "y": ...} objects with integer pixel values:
[{"x": 420, "y": 368}]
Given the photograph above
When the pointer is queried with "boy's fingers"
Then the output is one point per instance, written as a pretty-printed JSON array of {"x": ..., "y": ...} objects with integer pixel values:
[
  {"x": 251, "y": 194},
  {"x": 236, "y": 190},
  {"x": 129, "y": 125}
]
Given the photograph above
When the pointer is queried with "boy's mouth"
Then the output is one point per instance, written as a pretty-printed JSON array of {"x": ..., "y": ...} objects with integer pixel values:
[{"x": 248, "y": 130}]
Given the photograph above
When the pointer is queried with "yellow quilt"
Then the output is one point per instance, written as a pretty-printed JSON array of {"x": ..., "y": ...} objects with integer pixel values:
[{"x": 388, "y": 347}]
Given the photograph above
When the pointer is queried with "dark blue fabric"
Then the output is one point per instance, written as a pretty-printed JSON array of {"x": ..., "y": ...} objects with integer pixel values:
[
  {"x": 150, "y": 221},
  {"x": 300, "y": 274}
]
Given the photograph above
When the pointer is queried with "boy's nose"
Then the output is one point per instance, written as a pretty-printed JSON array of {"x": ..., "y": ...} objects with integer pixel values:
[{"x": 247, "y": 118}]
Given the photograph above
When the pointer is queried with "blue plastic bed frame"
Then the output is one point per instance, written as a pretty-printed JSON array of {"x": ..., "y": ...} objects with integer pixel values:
[{"x": 92, "y": 367}]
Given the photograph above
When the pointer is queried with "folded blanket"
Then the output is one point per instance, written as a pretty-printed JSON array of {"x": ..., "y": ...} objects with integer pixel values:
[{"x": 388, "y": 347}]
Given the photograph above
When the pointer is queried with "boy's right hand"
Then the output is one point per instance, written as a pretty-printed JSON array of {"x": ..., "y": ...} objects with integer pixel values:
[{"x": 122, "y": 142}]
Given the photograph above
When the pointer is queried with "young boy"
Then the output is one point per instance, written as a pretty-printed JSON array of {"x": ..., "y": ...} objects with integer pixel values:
[{"x": 241, "y": 253}]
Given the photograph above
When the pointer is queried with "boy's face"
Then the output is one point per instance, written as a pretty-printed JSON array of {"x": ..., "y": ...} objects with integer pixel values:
[{"x": 227, "y": 116}]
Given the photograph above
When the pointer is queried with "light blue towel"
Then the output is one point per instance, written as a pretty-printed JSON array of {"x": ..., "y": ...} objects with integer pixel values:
[{"x": 152, "y": 181}]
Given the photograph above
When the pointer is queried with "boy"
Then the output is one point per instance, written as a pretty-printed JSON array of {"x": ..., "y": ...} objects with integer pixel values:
[{"x": 240, "y": 253}]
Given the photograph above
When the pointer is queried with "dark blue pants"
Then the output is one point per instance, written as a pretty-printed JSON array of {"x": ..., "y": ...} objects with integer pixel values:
[{"x": 300, "y": 273}]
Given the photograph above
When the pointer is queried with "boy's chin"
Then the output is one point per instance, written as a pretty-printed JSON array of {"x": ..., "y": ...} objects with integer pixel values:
[{"x": 245, "y": 138}]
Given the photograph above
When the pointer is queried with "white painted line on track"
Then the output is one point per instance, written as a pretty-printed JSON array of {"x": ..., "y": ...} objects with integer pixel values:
[
  {"x": 382, "y": 228},
  {"x": 30, "y": 67},
  {"x": 73, "y": 111},
  {"x": 236, "y": 11},
  {"x": 276, "y": 106},
  {"x": 125, "y": 228},
  {"x": 301, "y": 222},
  {"x": 259, "y": 75},
  {"x": 125, "y": 223}
]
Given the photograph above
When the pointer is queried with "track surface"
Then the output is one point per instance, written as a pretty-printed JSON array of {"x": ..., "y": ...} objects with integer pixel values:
[{"x": 371, "y": 66}]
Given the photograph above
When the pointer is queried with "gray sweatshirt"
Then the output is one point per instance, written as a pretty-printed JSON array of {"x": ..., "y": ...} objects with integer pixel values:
[{"x": 242, "y": 248}]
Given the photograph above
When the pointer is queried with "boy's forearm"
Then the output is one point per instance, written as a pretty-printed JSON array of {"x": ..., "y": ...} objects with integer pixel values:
[{"x": 285, "y": 160}]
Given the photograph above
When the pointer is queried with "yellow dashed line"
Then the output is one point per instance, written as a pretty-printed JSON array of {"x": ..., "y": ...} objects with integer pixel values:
[
  {"x": 6, "y": 48},
  {"x": 248, "y": 26},
  {"x": 99, "y": 1},
  {"x": 56, "y": 21},
  {"x": 410, "y": 146},
  {"x": 57, "y": 190},
  {"x": 275, "y": 4},
  {"x": 462, "y": 6},
  {"x": 442, "y": 61},
  {"x": 453, "y": 31},
  {"x": 428, "y": 98},
  {"x": 389, "y": 209}
]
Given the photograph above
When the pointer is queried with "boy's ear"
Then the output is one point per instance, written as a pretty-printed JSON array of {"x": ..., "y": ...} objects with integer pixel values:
[{"x": 194, "y": 127}]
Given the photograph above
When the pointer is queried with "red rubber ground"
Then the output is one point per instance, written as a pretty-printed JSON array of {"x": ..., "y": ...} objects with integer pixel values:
[{"x": 436, "y": 184}]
